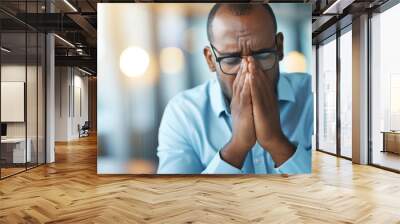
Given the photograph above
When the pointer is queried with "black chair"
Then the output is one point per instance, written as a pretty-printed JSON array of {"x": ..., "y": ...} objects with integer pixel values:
[{"x": 84, "y": 130}]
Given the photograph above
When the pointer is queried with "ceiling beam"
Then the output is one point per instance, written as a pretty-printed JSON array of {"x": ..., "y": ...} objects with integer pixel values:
[
  {"x": 84, "y": 24},
  {"x": 82, "y": 61}
]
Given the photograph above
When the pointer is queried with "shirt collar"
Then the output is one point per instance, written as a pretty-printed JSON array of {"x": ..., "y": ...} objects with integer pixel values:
[
  {"x": 219, "y": 103},
  {"x": 285, "y": 89},
  {"x": 217, "y": 98}
]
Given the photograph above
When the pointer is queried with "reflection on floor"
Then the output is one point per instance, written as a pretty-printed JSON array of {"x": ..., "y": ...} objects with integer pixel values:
[
  {"x": 12, "y": 169},
  {"x": 70, "y": 191},
  {"x": 386, "y": 159}
]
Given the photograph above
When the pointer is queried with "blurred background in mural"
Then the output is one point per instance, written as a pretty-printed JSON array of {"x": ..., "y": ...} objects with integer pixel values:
[{"x": 147, "y": 53}]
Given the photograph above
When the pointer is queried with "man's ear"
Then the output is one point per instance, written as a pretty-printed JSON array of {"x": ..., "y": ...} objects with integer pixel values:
[
  {"x": 279, "y": 45},
  {"x": 209, "y": 58}
]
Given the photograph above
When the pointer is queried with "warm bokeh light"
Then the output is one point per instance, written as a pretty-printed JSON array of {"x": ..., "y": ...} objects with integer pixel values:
[
  {"x": 171, "y": 60},
  {"x": 295, "y": 61},
  {"x": 134, "y": 61},
  {"x": 140, "y": 166}
]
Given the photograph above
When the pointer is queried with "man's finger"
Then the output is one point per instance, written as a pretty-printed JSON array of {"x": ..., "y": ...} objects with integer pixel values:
[
  {"x": 263, "y": 81},
  {"x": 246, "y": 92},
  {"x": 255, "y": 69},
  {"x": 236, "y": 81},
  {"x": 254, "y": 90},
  {"x": 242, "y": 76},
  {"x": 252, "y": 65}
]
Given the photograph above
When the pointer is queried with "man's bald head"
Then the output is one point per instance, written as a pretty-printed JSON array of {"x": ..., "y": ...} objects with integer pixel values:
[
  {"x": 241, "y": 29},
  {"x": 239, "y": 9}
]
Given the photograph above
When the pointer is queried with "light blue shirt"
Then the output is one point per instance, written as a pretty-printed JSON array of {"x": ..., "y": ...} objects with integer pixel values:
[{"x": 196, "y": 125}]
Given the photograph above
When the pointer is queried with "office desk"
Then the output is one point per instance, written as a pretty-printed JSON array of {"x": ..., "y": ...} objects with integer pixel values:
[
  {"x": 16, "y": 147},
  {"x": 391, "y": 141}
]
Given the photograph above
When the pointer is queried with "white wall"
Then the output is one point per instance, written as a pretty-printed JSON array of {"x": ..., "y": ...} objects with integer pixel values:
[
  {"x": 16, "y": 73},
  {"x": 70, "y": 83},
  {"x": 12, "y": 73},
  {"x": 61, "y": 103},
  {"x": 33, "y": 127}
]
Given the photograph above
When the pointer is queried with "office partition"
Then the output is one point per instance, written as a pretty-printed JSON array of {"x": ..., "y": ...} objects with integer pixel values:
[{"x": 22, "y": 87}]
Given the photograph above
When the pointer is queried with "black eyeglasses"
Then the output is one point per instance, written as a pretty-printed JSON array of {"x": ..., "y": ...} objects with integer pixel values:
[{"x": 230, "y": 64}]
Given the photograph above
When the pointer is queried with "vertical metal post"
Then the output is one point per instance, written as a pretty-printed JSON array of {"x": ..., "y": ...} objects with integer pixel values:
[{"x": 338, "y": 77}]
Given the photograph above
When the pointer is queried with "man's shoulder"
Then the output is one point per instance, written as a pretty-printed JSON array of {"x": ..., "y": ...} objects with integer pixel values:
[
  {"x": 196, "y": 96},
  {"x": 299, "y": 81}
]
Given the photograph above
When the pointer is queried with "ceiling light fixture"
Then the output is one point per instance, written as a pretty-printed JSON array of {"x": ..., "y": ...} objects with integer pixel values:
[
  {"x": 64, "y": 40},
  {"x": 70, "y": 5},
  {"x": 337, "y": 7},
  {"x": 84, "y": 71},
  {"x": 5, "y": 50}
]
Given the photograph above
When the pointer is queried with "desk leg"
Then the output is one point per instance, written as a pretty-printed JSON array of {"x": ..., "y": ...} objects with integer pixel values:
[{"x": 384, "y": 143}]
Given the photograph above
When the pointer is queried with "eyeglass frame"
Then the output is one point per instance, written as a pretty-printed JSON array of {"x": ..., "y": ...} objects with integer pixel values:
[{"x": 219, "y": 59}]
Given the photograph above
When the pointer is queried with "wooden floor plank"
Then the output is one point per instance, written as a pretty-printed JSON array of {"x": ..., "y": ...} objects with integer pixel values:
[{"x": 70, "y": 191}]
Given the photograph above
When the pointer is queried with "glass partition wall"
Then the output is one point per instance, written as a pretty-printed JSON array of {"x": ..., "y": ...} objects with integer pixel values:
[
  {"x": 345, "y": 62},
  {"x": 385, "y": 90},
  {"x": 22, "y": 88},
  {"x": 327, "y": 96},
  {"x": 334, "y": 94}
]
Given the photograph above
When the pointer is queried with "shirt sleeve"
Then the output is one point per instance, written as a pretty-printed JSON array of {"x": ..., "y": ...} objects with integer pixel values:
[
  {"x": 219, "y": 166},
  {"x": 175, "y": 152},
  {"x": 298, "y": 163}
]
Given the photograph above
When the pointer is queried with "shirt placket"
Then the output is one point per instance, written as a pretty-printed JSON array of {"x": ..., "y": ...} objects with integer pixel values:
[
  {"x": 259, "y": 159},
  {"x": 245, "y": 168}
]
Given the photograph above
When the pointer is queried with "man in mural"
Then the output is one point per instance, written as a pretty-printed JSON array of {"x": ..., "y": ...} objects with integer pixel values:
[{"x": 250, "y": 118}]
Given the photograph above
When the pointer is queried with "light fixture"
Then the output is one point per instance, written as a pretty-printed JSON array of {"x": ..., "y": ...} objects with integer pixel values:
[
  {"x": 5, "y": 50},
  {"x": 64, "y": 40},
  {"x": 84, "y": 71},
  {"x": 134, "y": 61},
  {"x": 337, "y": 7},
  {"x": 70, "y": 5},
  {"x": 329, "y": 9}
]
